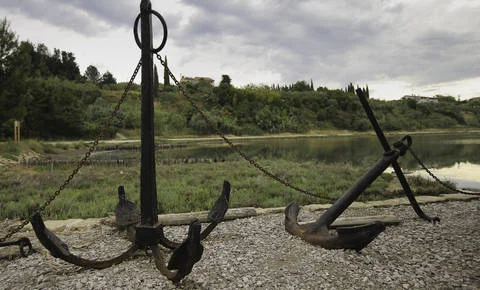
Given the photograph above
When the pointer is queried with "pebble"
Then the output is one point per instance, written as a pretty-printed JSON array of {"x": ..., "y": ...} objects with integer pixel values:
[{"x": 257, "y": 253}]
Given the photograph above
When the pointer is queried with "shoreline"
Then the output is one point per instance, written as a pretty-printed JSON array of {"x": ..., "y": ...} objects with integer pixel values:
[{"x": 312, "y": 134}]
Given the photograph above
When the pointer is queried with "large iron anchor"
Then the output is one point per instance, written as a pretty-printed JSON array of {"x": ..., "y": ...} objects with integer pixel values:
[
  {"x": 146, "y": 231},
  {"x": 185, "y": 254},
  {"x": 355, "y": 237}
]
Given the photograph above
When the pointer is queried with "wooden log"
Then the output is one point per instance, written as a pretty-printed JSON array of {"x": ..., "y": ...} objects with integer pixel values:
[
  {"x": 388, "y": 220},
  {"x": 185, "y": 218}
]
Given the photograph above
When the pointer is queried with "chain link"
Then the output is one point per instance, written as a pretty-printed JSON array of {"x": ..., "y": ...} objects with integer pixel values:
[
  {"x": 231, "y": 144},
  {"x": 82, "y": 161},
  {"x": 444, "y": 184}
]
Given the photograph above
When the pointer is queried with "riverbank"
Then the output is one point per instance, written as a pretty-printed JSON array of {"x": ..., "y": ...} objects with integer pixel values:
[
  {"x": 257, "y": 253},
  {"x": 135, "y": 138}
]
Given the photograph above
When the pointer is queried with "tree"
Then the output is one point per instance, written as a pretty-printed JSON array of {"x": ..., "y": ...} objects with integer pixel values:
[
  {"x": 350, "y": 89},
  {"x": 155, "y": 82},
  {"x": 70, "y": 69},
  {"x": 8, "y": 43},
  {"x": 14, "y": 92},
  {"x": 107, "y": 79},
  {"x": 226, "y": 80},
  {"x": 225, "y": 91},
  {"x": 166, "y": 77},
  {"x": 92, "y": 74},
  {"x": 40, "y": 58},
  {"x": 301, "y": 86}
]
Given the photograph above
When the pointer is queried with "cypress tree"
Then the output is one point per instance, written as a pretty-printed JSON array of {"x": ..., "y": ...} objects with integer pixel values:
[
  {"x": 166, "y": 77},
  {"x": 155, "y": 82}
]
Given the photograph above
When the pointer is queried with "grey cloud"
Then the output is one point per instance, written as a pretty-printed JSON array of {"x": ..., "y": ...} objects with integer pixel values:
[
  {"x": 85, "y": 17},
  {"x": 419, "y": 42},
  {"x": 342, "y": 40}
]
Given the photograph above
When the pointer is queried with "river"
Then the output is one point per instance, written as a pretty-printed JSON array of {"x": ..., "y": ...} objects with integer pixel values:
[{"x": 452, "y": 156}]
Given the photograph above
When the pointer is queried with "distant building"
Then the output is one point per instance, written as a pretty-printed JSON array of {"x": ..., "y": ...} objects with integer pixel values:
[
  {"x": 196, "y": 80},
  {"x": 420, "y": 99}
]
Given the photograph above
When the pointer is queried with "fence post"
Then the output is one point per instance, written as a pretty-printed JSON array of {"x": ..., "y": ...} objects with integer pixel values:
[{"x": 16, "y": 131}]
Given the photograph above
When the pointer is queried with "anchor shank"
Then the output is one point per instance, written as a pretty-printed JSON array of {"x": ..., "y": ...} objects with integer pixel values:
[
  {"x": 148, "y": 188},
  {"x": 352, "y": 194}
]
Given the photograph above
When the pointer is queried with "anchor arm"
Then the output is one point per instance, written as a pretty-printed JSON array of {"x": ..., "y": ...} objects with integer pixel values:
[{"x": 59, "y": 249}]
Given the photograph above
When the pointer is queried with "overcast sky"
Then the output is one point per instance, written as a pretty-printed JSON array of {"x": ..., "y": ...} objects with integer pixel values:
[{"x": 397, "y": 47}]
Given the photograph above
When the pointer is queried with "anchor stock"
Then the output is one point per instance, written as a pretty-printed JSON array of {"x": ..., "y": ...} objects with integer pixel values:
[{"x": 395, "y": 165}]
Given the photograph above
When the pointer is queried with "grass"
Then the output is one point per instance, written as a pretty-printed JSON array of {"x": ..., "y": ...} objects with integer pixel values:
[{"x": 184, "y": 187}]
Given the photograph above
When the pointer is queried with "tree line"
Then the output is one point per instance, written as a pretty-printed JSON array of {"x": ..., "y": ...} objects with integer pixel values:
[
  {"x": 45, "y": 90},
  {"x": 52, "y": 99},
  {"x": 294, "y": 108}
]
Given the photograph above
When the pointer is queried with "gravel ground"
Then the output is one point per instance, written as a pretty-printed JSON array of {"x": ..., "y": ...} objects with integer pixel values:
[{"x": 257, "y": 253}]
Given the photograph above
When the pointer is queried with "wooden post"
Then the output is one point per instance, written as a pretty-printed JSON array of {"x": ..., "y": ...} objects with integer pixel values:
[{"x": 16, "y": 131}]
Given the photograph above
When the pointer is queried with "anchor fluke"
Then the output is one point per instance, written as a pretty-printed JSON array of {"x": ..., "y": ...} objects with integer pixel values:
[
  {"x": 217, "y": 213},
  {"x": 126, "y": 212},
  {"x": 59, "y": 249},
  {"x": 358, "y": 237},
  {"x": 189, "y": 252},
  {"x": 220, "y": 207},
  {"x": 184, "y": 256}
]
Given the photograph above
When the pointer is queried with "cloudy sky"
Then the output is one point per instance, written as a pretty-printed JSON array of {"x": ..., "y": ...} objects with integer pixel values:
[{"x": 397, "y": 47}]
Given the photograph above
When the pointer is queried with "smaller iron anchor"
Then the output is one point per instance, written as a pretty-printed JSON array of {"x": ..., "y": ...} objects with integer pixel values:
[
  {"x": 21, "y": 243},
  {"x": 355, "y": 237}
]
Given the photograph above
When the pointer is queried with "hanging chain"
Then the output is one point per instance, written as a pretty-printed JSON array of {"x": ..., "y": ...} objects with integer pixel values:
[
  {"x": 82, "y": 161},
  {"x": 444, "y": 184},
  {"x": 230, "y": 143}
]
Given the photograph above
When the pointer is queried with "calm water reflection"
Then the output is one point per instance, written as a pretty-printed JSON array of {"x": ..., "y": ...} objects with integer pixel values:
[
  {"x": 455, "y": 156},
  {"x": 437, "y": 150},
  {"x": 452, "y": 152}
]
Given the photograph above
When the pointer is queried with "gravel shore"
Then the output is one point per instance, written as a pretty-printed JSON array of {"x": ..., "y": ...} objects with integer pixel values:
[{"x": 257, "y": 253}]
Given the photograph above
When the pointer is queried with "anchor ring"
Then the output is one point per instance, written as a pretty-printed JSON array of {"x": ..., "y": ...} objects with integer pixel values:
[{"x": 165, "y": 31}]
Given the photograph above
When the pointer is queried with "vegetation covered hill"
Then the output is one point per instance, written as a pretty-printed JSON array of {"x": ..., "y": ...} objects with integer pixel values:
[{"x": 52, "y": 99}]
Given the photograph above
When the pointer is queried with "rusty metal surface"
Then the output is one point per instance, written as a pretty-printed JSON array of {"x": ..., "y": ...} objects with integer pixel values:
[{"x": 357, "y": 237}]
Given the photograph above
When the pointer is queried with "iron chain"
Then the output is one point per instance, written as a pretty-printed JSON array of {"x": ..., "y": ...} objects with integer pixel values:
[
  {"x": 82, "y": 161},
  {"x": 444, "y": 184},
  {"x": 230, "y": 143}
]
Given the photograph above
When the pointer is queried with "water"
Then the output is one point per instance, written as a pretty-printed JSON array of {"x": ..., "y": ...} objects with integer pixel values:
[{"x": 454, "y": 156}]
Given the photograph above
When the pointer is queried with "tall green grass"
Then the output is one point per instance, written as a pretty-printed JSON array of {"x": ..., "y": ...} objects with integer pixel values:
[{"x": 183, "y": 187}]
